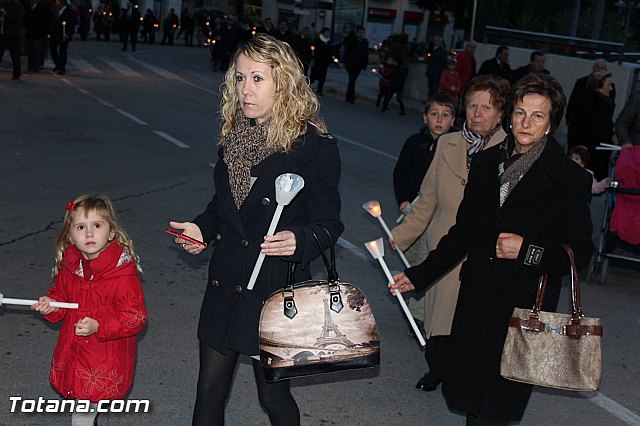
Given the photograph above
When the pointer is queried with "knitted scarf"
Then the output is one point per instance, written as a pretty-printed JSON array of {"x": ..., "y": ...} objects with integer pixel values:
[
  {"x": 244, "y": 146},
  {"x": 477, "y": 142},
  {"x": 514, "y": 165}
]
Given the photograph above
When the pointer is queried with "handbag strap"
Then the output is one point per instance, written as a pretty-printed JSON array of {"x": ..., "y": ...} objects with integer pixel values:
[
  {"x": 335, "y": 300},
  {"x": 332, "y": 273},
  {"x": 575, "y": 285},
  {"x": 576, "y": 305}
]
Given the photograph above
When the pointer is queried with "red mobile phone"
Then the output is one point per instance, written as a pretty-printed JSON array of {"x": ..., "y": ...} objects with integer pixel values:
[{"x": 185, "y": 237}]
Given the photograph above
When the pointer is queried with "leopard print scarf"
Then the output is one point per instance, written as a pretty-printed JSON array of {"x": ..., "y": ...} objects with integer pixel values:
[
  {"x": 514, "y": 165},
  {"x": 244, "y": 146}
]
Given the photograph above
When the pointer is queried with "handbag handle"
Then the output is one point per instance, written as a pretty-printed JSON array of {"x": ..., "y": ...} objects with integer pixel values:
[
  {"x": 335, "y": 299},
  {"x": 332, "y": 273},
  {"x": 576, "y": 305}
]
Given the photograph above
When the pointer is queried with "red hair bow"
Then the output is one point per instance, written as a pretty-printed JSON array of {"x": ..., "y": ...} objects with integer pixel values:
[{"x": 71, "y": 206}]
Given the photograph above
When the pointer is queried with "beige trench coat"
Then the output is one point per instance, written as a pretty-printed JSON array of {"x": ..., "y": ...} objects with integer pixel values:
[{"x": 435, "y": 211}]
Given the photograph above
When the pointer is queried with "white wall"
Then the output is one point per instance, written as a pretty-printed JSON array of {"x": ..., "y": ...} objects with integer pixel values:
[{"x": 565, "y": 69}]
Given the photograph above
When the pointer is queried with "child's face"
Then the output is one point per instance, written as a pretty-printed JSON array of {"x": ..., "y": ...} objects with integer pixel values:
[
  {"x": 438, "y": 119},
  {"x": 576, "y": 158},
  {"x": 89, "y": 232}
]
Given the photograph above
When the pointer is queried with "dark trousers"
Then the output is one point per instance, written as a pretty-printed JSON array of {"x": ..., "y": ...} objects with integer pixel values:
[
  {"x": 13, "y": 46},
  {"x": 58, "y": 50},
  {"x": 319, "y": 73},
  {"x": 130, "y": 34},
  {"x": 167, "y": 37},
  {"x": 35, "y": 53},
  {"x": 188, "y": 38},
  {"x": 150, "y": 37},
  {"x": 214, "y": 382},
  {"x": 388, "y": 97},
  {"x": 433, "y": 82},
  {"x": 351, "y": 88},
  {"x": 435, "y": 354}
]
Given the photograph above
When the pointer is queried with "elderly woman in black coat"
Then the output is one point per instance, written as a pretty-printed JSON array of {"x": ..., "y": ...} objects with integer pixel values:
[
  {"x": 524, "y": 198},
  {"x": 270, "y": 127},
  {"x": 594, "y": 121}
]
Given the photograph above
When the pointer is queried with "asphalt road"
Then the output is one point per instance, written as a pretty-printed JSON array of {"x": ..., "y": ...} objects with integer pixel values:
[{"x": 142, "y": 128}]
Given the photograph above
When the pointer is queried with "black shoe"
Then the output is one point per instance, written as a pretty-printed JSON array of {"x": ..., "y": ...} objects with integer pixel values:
[
  {"x": 14, "y": 77},
  {"x": 427, "y": 383},
  {"x": 55, "y": 69},
  {"x": 60, "y": 72},
  {"x": 402, "y": 113}
]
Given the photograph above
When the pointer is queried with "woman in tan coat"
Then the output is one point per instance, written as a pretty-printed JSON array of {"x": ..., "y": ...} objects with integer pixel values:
[{"x": 435, "y": 211}]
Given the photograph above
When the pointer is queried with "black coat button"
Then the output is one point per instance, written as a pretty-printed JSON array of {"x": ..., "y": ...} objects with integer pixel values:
[
  {"x": 265, "y": 201},
  {"x": 245, "y": 243},
  {"x": 239, "y": 288},
  {"x": 215, "y": 283}
]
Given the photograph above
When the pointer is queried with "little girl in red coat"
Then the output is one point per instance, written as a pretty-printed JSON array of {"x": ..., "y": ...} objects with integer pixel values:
[
  {"x": 450, "y": 82},
  {"x": 96, "y": 267}
]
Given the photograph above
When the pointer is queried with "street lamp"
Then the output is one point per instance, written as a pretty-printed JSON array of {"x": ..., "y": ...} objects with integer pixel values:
[
  {"x": 629, "y": 4},
  {"x": 473, "y": 19}
]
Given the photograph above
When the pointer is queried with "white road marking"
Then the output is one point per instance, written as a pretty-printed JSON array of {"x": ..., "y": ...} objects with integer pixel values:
[
  {"x": 120, "y": 67},
  {"x": 158, "y": 70},
  {"x": 204, "y": 89},
  {"x": 368, "y": 148},
  {"x": 64, "y": 80},
  {"x": 91, "y": 95},
  {"x": 171, "y": 139},
  {"x": 131, "y": 117},
  {"x": 353, "y": 248},
  {"x": 608, "y": 404},
  {"x": 85, "y": 66}
]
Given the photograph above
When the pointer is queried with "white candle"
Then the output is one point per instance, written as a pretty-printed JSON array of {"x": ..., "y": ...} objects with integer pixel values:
[
  {"x": 287, "y": 187},
  {"x": 377, "y": 251},
  {"x": 26, "y": 302},
  {"x": 373, "y": 207}
]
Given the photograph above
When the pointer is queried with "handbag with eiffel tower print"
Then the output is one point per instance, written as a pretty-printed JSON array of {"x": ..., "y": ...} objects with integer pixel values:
[{"x": 317, "y": 326}]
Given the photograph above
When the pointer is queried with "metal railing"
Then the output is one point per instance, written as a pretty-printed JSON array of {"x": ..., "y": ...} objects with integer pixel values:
[{"x": 574, "y": 46}]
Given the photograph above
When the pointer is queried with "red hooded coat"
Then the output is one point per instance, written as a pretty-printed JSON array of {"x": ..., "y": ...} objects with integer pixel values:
[{"x": 107, "y": 289}]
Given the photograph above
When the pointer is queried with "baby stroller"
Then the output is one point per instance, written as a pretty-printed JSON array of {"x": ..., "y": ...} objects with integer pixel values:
[{"x": 619, "y": 240}]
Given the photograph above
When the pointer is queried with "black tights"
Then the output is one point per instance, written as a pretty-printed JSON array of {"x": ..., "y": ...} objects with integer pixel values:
[{"x": 214, "y": 382}]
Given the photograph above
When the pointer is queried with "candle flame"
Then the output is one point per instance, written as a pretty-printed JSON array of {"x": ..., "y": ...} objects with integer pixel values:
[{"x": 373, "y": 207}]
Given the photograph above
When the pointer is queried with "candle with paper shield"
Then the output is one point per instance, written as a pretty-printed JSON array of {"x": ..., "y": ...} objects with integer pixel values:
[
  {"x": 376, "y": 248},
  {"x": 373, "y": 207},
  {"x": 27, "y": 302},
  {"x": 287, "y": 187}
]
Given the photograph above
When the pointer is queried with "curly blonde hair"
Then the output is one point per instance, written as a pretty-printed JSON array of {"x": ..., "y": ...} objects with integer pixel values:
[
  {"x": 296, "y": 105},
  {"x": 102, "y": 205}
]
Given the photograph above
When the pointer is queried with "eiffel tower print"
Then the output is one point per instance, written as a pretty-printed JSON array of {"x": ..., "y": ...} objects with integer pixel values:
[{"x": 330, "y": 333}]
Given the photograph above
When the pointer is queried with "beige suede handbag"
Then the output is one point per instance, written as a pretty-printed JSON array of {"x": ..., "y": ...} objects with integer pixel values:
[{"x": 552, "y": 349}]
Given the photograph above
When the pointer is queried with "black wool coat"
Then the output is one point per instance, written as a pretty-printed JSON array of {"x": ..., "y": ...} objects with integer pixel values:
[
  {"x": 412, "y": 165},
  {"x": 230, "y": 313},
  {"x": 549, "y": 206}
]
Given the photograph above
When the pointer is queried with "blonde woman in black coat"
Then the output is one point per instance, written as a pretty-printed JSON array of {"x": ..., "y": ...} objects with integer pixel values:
[
  {"x": 270, "y": 126},
  {"x": 524, "y": 198}
]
